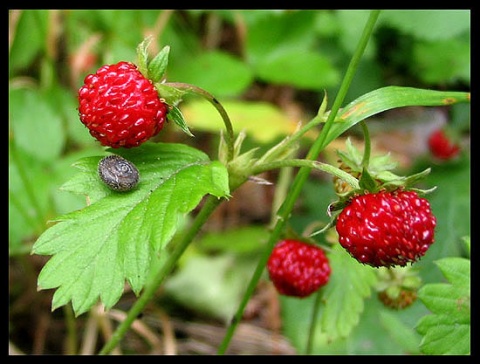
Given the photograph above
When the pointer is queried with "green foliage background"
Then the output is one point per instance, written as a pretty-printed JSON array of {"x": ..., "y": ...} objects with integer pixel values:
[{"x": 232, "y": 54}]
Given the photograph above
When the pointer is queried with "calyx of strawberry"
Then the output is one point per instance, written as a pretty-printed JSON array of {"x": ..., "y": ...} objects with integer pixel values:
[
  {"x": 374, "y": 177},
  {"x": 154, "y": 68},
  {"x": 371, "y": 174},
  {"x": 397, "y": 286}
]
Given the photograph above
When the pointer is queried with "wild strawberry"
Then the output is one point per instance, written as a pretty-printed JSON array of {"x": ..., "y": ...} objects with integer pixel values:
[
  {"x": 399, "y": 300},
  {"x": 442, "y": 146},
  {"x": 120, "y": 107},
  {"x": 386, "y": 228},
  {"x": 298, "y": 269},
  {"x": 397, "y": 286}
]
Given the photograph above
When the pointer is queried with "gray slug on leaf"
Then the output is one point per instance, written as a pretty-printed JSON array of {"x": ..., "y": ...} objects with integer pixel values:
[{"x": 118, "y": 173}]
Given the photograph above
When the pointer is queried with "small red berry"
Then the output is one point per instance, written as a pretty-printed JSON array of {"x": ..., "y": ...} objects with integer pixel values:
[
  {"x": 441, "y": 146},
  {"x": 120, "y": 107},
  {"x": 298, "y": 269},
  {"x": 386, "y": 228}
]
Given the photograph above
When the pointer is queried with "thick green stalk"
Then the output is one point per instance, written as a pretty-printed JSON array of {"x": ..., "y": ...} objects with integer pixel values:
[{"x": 300, "y": 178}]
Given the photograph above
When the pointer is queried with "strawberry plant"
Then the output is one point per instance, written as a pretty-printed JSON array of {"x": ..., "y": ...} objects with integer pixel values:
[{"x": 148, "y": 200}]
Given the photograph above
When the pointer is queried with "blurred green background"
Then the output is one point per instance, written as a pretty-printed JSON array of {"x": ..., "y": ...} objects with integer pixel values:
[{"x": 270, "y": 69}]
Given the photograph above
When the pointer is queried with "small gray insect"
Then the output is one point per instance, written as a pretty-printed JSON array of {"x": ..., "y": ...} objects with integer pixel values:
[{"x": 118, "y": 173}]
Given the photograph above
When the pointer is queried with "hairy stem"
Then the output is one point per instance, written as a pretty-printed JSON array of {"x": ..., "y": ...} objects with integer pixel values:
[
  {"x": 230, "y": 137},
  {"x": 301, "y": 177},
  {"x": 324, "y": 167}
]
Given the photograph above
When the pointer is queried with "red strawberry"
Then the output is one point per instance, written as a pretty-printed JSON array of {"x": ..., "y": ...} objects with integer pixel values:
[
  {"x": 120, "y": 107},
  {"x": 298, "y": 269},
  {"x": 441, "y": 146},
  {"x": 386, "y": 228}
]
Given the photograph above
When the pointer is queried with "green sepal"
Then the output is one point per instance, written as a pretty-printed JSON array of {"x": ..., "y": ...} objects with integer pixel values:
[
  {"x": 367, "y": 182},
  {"x": 158, "y": 65},
  {"x": 142, "y": 56},
  {"x": 172, "y": 95},
  {"x": 175, "y": 115}
]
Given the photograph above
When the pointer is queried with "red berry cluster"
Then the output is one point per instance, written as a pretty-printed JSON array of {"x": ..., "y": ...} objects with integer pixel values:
[
  {"x": 297, "y": 268},
  {"x": 120, "y": 107},
  {"x": 386, "y": 228}
]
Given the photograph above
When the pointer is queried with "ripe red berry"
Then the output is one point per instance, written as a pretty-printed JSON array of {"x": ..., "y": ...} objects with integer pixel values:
[
  {"x": 120, "y": 107},
  {"x": 298, "y": 269},
  {"x": 441, "y": 146},
  {"x": 386, "y": 228}
]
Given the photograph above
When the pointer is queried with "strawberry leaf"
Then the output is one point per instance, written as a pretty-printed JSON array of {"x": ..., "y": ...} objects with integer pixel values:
[
  {"x": 447, "y": 329},
  {"x": 95, "y": 249},
  {"x": 350, "y": 283}
]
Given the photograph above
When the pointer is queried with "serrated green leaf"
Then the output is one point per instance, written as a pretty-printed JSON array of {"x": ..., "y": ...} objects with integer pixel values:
[
  {"x": 456, "y": 270},
  {"x": 350, "y": 283},
  {"x": 112, "y": 240},
  {"x": 447, "y": 329},
  {"x": 445, "y": 298},
  {"x": 444, "y": 335}
]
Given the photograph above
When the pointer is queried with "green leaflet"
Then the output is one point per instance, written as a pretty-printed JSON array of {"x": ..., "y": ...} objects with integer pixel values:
[
  {"x": 97, "y": 248},
  {"x": 447, "y": 329},
  {"x": 345, "y": 293}
]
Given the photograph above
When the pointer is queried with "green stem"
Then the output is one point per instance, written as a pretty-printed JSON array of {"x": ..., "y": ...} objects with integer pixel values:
[
  {"x": 285, "y": 144},
  {"x": 300, "y": 178},
  {"x": 210, "y": 204},
  {"x": 282, "y": 186},
  {"x": 311, "y": 331},
  {"x": 210, "y": 98},
  {"x": 71, "y": 330},
  {"x": 307, "y": 163},
  {"x": 367, "y": 145}
]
